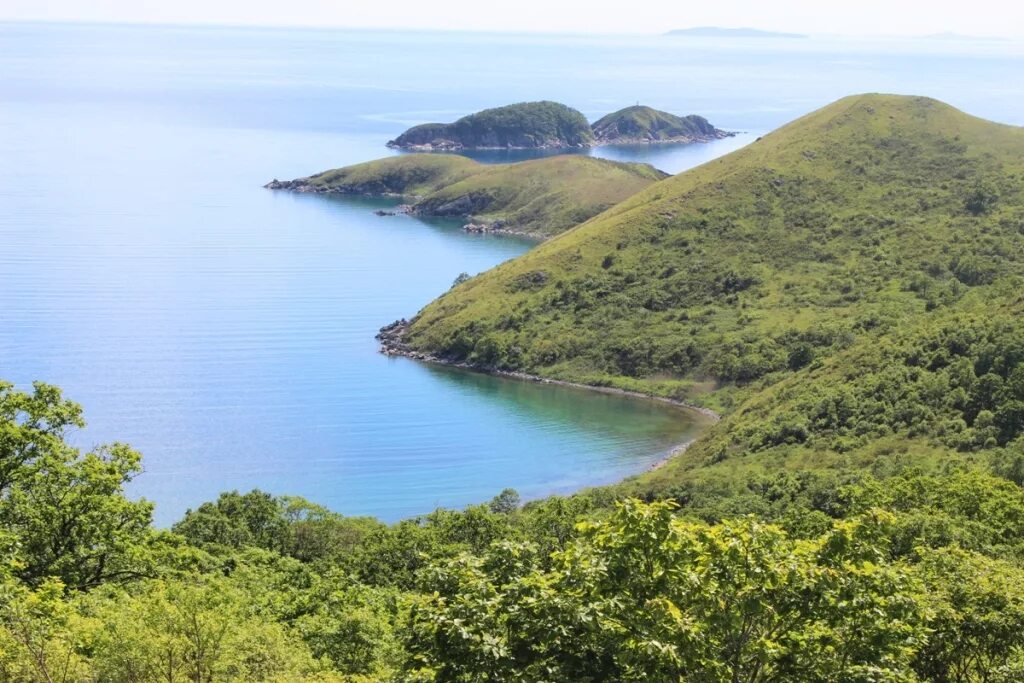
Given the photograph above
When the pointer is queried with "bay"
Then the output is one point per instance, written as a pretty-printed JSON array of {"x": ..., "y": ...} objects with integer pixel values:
[{"x": 227, "y": 331}]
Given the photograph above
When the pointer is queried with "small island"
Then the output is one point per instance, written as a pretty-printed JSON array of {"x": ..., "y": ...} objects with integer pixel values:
[
  {"x": 538, "y": 198},
  {"x": 640, "y": 124},
  {"x": 527, "y": 125},
  {"x": 550, "y": 125}
]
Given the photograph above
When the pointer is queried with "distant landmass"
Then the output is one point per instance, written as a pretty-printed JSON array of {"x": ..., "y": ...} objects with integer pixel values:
[
  {"x": 949, "y": 35},
  {"x": 540, "y": 125},
  {"x": 718, "y": 32}
]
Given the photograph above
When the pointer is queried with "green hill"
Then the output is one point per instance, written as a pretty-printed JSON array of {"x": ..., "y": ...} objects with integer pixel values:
[
  {"x": 542, "y": 197},
  {"x": 644, "y": 124},
  {"x": 526, "y": 125},
  {"x": 850, "y": 220}
]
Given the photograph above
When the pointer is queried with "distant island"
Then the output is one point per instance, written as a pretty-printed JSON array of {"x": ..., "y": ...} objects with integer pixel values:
[
  {"x": 639, "y": 124},
  {"x": 537, "y": 198},
  {"x": 527, "y": 125},
  {"x": 949, "y": 35},
  {"x": 551, "y": 125},
  {"x": 719, "y": 32}
]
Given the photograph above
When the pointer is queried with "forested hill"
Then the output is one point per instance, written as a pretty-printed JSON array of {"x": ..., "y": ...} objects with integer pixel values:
[
  {"x": 640, "y": 124},
  {"x": 840, "y": 225},
  {"x": 523, "y": 125}
]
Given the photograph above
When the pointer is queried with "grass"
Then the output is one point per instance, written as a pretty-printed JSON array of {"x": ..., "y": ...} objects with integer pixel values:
[{"x": 542, "y": 197}]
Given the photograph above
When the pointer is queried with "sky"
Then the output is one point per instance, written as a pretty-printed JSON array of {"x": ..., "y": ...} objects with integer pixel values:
[{"x": 987, "y": 18}]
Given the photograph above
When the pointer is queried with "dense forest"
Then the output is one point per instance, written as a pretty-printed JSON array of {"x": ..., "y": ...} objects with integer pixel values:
[
  {"x": 894, "y": 573},
  {"x": 846, "y": 292}
]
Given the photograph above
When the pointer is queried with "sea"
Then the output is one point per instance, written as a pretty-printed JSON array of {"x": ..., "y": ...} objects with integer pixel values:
[{"x": 227, "y": 331}]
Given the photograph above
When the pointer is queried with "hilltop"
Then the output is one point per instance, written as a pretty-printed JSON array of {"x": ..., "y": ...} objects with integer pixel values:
[
  {"x": 539, "y": 198},
  {"x": 640, "y": 124},
  {"x": 527, "y": 125},
  {"x": 840, "y": 225}
]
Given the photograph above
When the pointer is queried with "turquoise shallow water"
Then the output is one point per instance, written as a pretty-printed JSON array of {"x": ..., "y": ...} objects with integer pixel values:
[{"x": 227, "y": 331}]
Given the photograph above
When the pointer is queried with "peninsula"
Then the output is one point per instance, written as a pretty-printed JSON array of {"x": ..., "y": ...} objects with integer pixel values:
[{"x": 537, "y": 198}]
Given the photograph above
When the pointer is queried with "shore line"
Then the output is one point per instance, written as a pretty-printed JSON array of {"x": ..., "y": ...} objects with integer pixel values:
[{"x": 392, "y": 344}]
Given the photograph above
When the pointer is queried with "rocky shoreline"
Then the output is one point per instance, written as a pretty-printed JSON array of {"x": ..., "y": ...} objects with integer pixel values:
[
  {"x": 392, "y": 343},
  {"x": 305, "y": 186},
  {"x": 475, "y": 226},
  {"x": 454, "y": 146},
  {"x": 678, "y": 140}
]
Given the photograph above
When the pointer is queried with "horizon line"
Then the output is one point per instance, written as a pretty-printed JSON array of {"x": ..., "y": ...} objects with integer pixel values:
[{"x": 799, "y": 35}]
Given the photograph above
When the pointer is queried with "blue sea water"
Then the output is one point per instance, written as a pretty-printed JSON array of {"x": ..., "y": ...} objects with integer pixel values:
[{"x": 227, "y": 331}]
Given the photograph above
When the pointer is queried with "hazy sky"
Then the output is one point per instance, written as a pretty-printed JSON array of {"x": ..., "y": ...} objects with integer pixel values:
[{"x": 863, "y": 17}]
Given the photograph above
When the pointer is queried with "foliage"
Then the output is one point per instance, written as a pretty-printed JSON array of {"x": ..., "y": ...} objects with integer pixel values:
[
  {"x": 647, "y": 124},
  {"x": 645, "y": 596}
]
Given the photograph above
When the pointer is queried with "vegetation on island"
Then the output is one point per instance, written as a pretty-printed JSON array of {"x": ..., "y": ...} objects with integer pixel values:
[
  {"x": 845, "y": 291},
  {"x": 540, "y": 198},
  {"x": 553, "y": 125},
  {"x": 523, "y": 125},
  {"x": 638, "y": 124}
]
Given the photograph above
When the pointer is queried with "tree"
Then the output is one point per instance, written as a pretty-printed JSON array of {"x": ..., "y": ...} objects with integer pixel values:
[
  {"x": 67, "y": 509},
  {"x": 976, "y": 607},
  {"x": 32, "y": 427},
  {"x": 505, "y": 503},
  {"x": 237, "y": 520}
]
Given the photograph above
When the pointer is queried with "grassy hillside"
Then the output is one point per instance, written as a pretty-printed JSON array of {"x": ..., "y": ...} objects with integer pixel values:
[
  {"x": 848, "y": 221},
  {"x": 413, "y": 174},
  {"x": 522, "y": 125},
  {"x": 644, "y": 124},
  {"x": 542, "y": 197}
]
